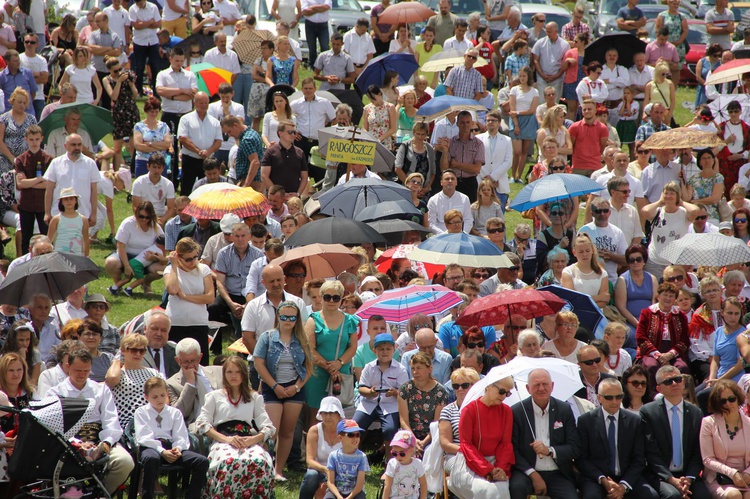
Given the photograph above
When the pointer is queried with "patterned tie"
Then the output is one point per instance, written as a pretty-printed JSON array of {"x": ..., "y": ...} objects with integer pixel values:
[
  {"x": 612, "y": 444},
  {"x": 158, "y": 420},
  {"x": 676, "y": 439}
]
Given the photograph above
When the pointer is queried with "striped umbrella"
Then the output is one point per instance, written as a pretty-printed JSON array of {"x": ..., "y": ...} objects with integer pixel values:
[
  {"x": 383, "y": 263},
  {"x": 461, "y": 248},
  {"x": 210, "y": 77},
  {"x": 400, "y": 305}
]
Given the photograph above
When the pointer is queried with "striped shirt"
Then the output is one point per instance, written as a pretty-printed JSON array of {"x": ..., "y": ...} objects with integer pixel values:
[
  {"x": 465, "y": 82},
  {"x": 452, "y": 414},
  {"x": 249, "y": 143},
  {"x": 234, "y": 268},
  {"x": 172, "y": 231},
  {"x": 470, "y": 151}
]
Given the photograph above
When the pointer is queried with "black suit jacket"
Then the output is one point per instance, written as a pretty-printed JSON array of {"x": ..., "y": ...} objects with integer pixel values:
[
  {"x": 658, "y": 434},
  {"x": 595, "y": 458},
  {"x": 189, "y": 230},
  {"x": 582, "y": 392},
  {"x": 562, "y": 431},
  {"x": 171, "y": 366}
]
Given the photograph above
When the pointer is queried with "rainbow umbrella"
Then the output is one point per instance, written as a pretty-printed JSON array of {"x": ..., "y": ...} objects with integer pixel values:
[
  {"x": 400, "y": 305},
  {"x": 244, "y": 202},
  {"x": 210, "y": 77}
]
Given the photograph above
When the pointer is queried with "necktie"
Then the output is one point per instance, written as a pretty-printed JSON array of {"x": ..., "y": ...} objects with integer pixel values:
[
  {"x": 676, "y": 439},
  {"x": 157, "y": 359},
  {"x": 158, "y": 420},
  {"x": 612, "y": 444}
]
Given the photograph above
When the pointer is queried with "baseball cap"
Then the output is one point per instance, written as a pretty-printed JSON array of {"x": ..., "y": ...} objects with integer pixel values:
[
  {"x": 726, "y": 226},
  {"x": 348, "y": 426},
  {"x": 383, "y": 338},
  {"x": 228, "y": 221},
  {"x": 404, "y": 439}
]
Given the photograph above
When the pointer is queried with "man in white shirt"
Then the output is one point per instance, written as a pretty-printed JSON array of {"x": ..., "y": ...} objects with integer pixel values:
[
  {"x": 225, "y": 106},
  {"x": 188, "y": 387},
  {"x": 38, "y": 67},
  {"x": 356, "y": 171},
  {"x": 155, "y": 188},
  {"x": 313, "y": 113},
  {"x": 56, "y": 140},
  {"x": 459, "y": 41},
  {"x": 548, "y": 57},
  {"x": 359, "y": 45},
  {"x": 145, "y": 20},
  {"x": 620, "y": 169},
  {"x": 75, "y": 170},
  {"x": 103, "y": 416},
  {"x": 640, "y": 74},
  {"x": 701, "y": 225},
  {"x": 200, "y": 137},
  {"x": 498, "y": 156},
  {"x": 229, "y": 13},
  {"x": 119, "y": 22},
  {"x": 447, "y": 199},
  {"x": 624, "y": 215},
  {"x": 222, "y": 58},
  {"x": 616, "y": 77},
  {"x": 610, "y": 242},
  {"x": 446, "y": 127},
  {"x": 175, "y": 17},
  {"x": 317, "y": 15},
  {"x": 72, "y": 307}
]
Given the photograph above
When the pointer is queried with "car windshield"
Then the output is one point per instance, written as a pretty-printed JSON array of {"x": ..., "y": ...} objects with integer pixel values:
[
  {"x": 461, "y": 8},
  {"x": 347, "y": 5},
  {"x": 560, "y": 19},
  {"x": 248, "y": 7}
]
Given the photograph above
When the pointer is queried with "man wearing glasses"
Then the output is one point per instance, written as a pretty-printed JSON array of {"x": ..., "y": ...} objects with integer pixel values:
[
  {"x": 590, "y": 361},
  {"x": 634, "y": 196},
  {"x": 609, "y": 240},
  {"x": 672, "y": 429},
  {"x": 701, "y": 225},
  {"x": 441, "y": 361},
  {"x": 624, "y": 215},
  {"x": 284, "y": 163},
  {"x": 465, "y": 81},
  {"x": 508, "y": 275},
  {"x": 38, "y": 66}
]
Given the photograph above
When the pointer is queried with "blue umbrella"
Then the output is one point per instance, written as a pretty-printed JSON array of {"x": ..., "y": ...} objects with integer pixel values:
[
  {"x": 438, "y": 107},
  {"x": 589, "y": 315},
  {"x": 469, "y": 251},
  {"x": 349, "y": 199},
  {"x": 553, "y": 188},
  {"x": 374, "y": 74}
]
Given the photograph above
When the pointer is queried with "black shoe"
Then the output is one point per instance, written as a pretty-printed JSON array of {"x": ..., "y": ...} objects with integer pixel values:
[{"x": 299, "y": 467}]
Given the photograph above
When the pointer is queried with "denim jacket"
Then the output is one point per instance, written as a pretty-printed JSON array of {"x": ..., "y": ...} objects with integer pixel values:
[{"x": 270, "y": 348}]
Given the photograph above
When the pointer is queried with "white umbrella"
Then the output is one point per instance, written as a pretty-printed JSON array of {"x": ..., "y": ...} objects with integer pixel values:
[
  {"x": 711, "y": 250},
  {"x": 442, "y": 60},
  {"x": 565, "y": 375}
]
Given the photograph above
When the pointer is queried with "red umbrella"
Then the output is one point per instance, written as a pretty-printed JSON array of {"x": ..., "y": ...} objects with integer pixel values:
[
  {"x": 383, "y": 263},
  {"x": 496, "y": 308},
  {"x": 405, "y": 13}
]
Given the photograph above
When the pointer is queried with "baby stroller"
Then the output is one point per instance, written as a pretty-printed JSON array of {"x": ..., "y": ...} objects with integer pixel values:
[{"x": 44, "y": 458}]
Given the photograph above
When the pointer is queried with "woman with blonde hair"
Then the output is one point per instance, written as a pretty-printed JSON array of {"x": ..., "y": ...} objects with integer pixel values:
[
  {"x": 553, "y": 125},
  {"x": 587, "y": 275},
  {"x": 661, "y": 90},
  {"x": 462, "y": 379},
  {"x": 486, "y": 206},
  {"x": 406, "y": 110},
  {"x": 13, "y": 125},
  {"x": 81, "y": 74},
  {"x": 454, "y": 221},
  {"x": 283, "y": 67}
]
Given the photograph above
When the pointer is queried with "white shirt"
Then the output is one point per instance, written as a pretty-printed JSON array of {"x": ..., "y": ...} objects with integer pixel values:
[
  {"x": 118, "y": 19},
  {"x": 104, "y": 411},
  {"x": 498, "y": 156},
  {"x": 170, "y": 78},
  {"x": 202, "y": 132},
  {"x": 170, "y": 15},
  {"x": 79, "y": 175},
  {"x": 228, "y": 60},
  {"x": 641, "y": 78},
  {"x": 609, "y": 238},
  {"x": 254, "y": 283},
  {"x": 56, "y": 142},
  {"x": 443, "y": 128},
  {"x": 368, "y": 174},
  {"x": 47, "y": 379},
  {"x": 372, "y": 376},
  {"x": 171, "y": 426},
  {"x": 65, "y": 311},
  {"x": 147, "y": 36},
  {"x": 707, "y": 230},
  {"x": 321, "y": 17},
  {"x": 358, "y": 47},
  {"x": 158, "y": 193},
  {"x": 636, "y": 188},
  {"x": 440, "y": 203},
  {"x": 550, "y": 54},
  {"x": 184, "y": 313},
  {"x": 216, "y": 110},
  {"x": 35, "y": 64},
  {"x": 453, "y": 44},
  {"x": 228, "y": 10},
  {"x": 134, "y": 238},
  {"x": 541, "y": 427},
  {"x": 312, "y": 115},
  {"x": 627, "y": 220},
  {"x": 260, "y": 314},
  {"x": 618, "y": 78}
]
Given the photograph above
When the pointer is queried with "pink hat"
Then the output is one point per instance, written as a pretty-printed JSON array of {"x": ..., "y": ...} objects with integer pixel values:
[{"x": 404, "y": 439}]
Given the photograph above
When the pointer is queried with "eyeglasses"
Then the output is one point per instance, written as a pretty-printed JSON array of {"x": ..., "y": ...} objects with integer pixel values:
[
  {"x": 619, "y": 396},
  {"x": 711, "y": 291},
  {"x": 639, "y": 384},
  {"x": 503, "y": 391},
  {"x": 480, "y": 276},
  {"x": 352, "y": 435},
  {"x": 641, "y": 151},
  {"x": 591, "y": 362},
  {"x": 288, "y": 318},
  {"x": 141, "y": 351},
  {"x": 495, "y": 230},
  {"x": 465, "y": 386},
  {"x": 731, "y": 400},
  {"x": 90, "y": 334},
  {"x": 516, "y": 328},
  {"x": 671, "y": 381},
  {"x": 471, "y": 57},
  {"x": 297, "y": 275},
  {"x": 455, "y": 222},
  {"x": 454, "y": 278},
  {"x": 556, "y": 213},
  {"x": 569, "y": 325},
  {"x": 637, "y": 259},
  {"x": 480, "y": 344},
  {"x": 398, "y": 453},
  {"x": 675, "y": 278},
  {"x": 740, "y": 220},
  {"x": 29, "y": 42},
  {"x": 189, "y": 259},
  {"x": 599, "y": 211},
  {"x": 348, "y": 307},
  {"x": 144, "y": 217},
  {"x": 333, "y": 298},
  {"x": 702, "y": 217}
]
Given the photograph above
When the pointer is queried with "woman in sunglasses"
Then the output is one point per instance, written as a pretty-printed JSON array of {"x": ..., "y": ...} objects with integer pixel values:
[
  {"x": 636, "y": 389},
  {"x": 206, "y": 21},
  {"x": 703, "y": 324},
  {"x": 485, "y": 456},
  {"x": 126, "y": 377},
  {"x": 283, "y": 360},
  {"x": 724, "y": 436},
  {"x": 740, "y": 220},
  {"x": 559, "y": 231},
  {"x": 462, "y": 379},
  {"x": 332, "y": 335},
  {"x": 480, "y": 339},
  {"x": 191, "y": 290}
]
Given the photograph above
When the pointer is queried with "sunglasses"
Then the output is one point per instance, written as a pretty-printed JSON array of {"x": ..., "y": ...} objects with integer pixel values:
[
  {"x": 352, "y": 435},
  {"x": 503, "y": 391},
  {"x": 480, "y": 276},
  {"x": 95, "y": 306},
  {"x": 144, "y": 217},
  {"x": 513, "y": 269},
  {"x": 671, "y": 381},
  {"x": 740, "y": 220},
  {"x": 398, "y": 453},
  {"x": 141, "y": 351},
  {"x": 591, "y": 362},
  {"x": 297, "y": 275},
  {"x": 675, "y": 278},
  {"x": 556, "y": 213},
  {"x": 195, "y": 53},
  {"x": 29, "y": 42},
  {"x": 641, "y": 151},
  {"x": 515, "y": 328},
  {"x": 288, "y": 318},
  {"x": 702, "y": 217},
  {"x": 619, "y": 396},
  {"x": 599, "y": 212},
  {"x": 522, "y": 239},
  {"x": 417, "y": 327},
  {"x": 480, "y": 344},
  {"x": 557, "y": 168},
  {"x": 731, "y": 400},
  {"x": 416, "y": 181},
  {"x": 189, "y": 259},
  {"x": 637, "y": 259},
  {"x": 496, "y": 230},
  {"x": 627, "y": 191},
  {"x": 471, "y": 57},
  {"x": 465, "y": 386},
  {"x": 639, "y": 384},
  {"x": 333, "y": 298},
  {"x": 90, "y": 334},
  {"x": 291, "y": 132}
]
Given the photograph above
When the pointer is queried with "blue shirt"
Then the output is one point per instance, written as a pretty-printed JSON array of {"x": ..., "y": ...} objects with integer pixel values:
[
  {"x": 441, "y": 364},
  {"x": 24, "y": 78},
  {"x": 725, "y": 347},
  {"x": 346, "y": 468},
  {"x": 626, "y": 14},
  {"x": 235, "y": 270},
  {"x": 450, "y": 334}
]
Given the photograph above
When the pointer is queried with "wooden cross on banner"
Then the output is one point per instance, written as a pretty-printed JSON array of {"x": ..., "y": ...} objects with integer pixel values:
[{"x": 355, "y": 132}]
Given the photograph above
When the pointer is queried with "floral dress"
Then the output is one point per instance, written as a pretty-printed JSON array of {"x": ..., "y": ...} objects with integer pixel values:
[
  {"x": 673, "y": 22},
  {"x": 422, "y": 406},
  {"x": 703, "y": 187},
  {"x": 378, "y": 122},
  {"x": 282, "y": 70},
  {"x": 14, "y": 138},
  {"x": 256, "y": 104},
  {"x": 124, "y": 111}
]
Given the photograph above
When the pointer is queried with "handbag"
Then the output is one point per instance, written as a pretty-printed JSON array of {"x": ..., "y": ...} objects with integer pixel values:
[{"x": 346, "y": 397}]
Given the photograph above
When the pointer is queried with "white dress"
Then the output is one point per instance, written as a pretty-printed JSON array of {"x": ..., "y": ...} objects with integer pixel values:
[
  {"x": 288, "y": 13},
  {"x": 81, "y": 79}
]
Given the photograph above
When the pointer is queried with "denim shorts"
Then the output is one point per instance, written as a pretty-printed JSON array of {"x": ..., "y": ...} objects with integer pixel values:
[{"x": 269, "y": 396}]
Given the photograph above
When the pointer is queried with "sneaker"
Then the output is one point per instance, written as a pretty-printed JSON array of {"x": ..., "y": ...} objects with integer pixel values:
[
  {"x": 114, "y": 290},
  {"x": 147, "y": 289},
  {"x": 128, "y": 291}
]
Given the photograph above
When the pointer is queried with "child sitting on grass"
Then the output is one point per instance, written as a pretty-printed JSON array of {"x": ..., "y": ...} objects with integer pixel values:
[
  {"x": 139, "y": 264},
  {"x": 347, "y": 466}
]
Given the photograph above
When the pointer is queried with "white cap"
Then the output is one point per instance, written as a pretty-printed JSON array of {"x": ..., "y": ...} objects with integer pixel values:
[{"x": 228, "y": 221}]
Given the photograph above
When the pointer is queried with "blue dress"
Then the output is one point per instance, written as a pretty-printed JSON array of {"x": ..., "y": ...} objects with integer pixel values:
[
  {"x": 639, "y": 297},
  {"x": 700, "y": 94},
  {"x": 725, "y": 347},
  {"x": 282, "y": 70}
]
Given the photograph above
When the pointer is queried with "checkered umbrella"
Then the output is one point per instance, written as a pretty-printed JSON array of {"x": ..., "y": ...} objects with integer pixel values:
[{"x": 712, "y": 250}]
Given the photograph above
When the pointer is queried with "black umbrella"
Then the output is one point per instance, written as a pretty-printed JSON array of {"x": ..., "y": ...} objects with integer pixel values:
[
  {"x": 626, "y": 44},
  {"x": 287, "y": 89},
  {"x": 399, "y": 208},
  {"x": 393, "y": 230},
  {"x": 335, "y": 230},
  {"x": 354, "y": 99},
  {"x": 206, "y": 43},
  {"x": 57, "y": 274}
]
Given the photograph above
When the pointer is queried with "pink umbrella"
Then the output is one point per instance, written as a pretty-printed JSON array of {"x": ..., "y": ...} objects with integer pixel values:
[{"x": 400, "y": 305}]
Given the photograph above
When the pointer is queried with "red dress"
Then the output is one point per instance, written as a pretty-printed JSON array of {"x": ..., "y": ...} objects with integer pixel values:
[
  {"x": 730, "y": 169},
  {"x": 486, "y": 431}
]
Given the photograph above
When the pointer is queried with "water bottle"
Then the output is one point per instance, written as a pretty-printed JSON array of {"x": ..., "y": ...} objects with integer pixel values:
[{"x": 38, "y": 169}]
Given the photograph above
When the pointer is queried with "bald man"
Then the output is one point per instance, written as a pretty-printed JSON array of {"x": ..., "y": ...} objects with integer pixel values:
[
  {"x": 441, "y": 360},
  {"x": 200, "y": 136}
]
